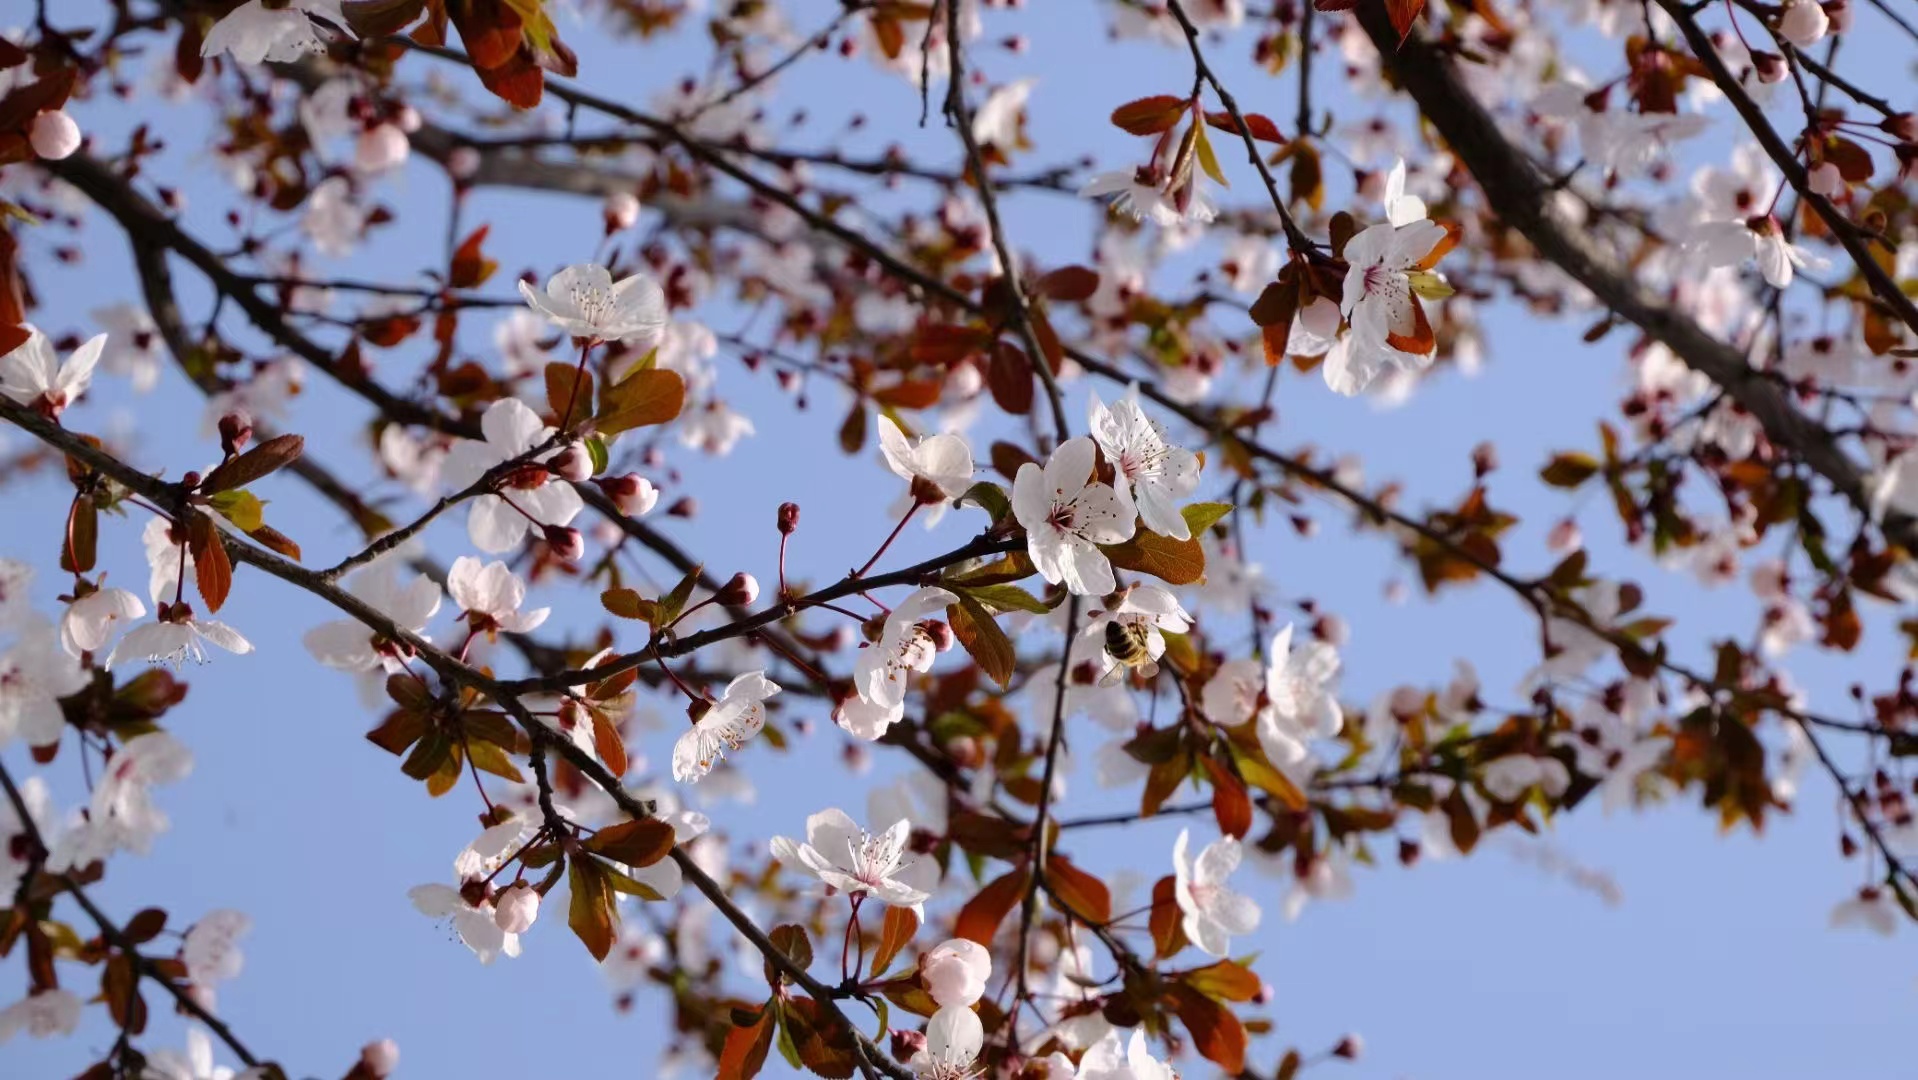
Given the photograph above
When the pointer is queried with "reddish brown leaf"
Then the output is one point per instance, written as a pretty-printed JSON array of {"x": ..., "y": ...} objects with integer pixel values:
[
  {"x": 635, "y": 843},
  {"x": 648, "y": 396},
  {"x": 1230, "y": 803},
  {"x": 1166, "y": 921},
  {"x": 979, "y": 920},
  {"x": 1226, "y": 980},
  {"x": 1403, "y": 13},
  {"x": 895, "y": 933},
  {"x": 979, "y": 632},
  {"x": 947, "y": 345},
  {"x": 910, "y": 394},
  {"x": 1259, "y": 124},
  {"x": 1216, "y": 1032},
  {"x": 746, "y": 1047},
  {"x": 1069, "y": 283},
  {"x": 593, "y": 911},
  {"x": 470, "y": 266},
  {"x": 607, "y": 743},
  {"x": 272, "y": 455},
  {"x": 1009, "y": 377},
  {"x": 1084, "y": 894},
  {"x": 212, "y": 570},
  {"x": 1150, "y": 115}
]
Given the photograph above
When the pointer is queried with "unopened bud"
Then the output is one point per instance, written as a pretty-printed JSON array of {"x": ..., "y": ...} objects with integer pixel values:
[
  {"x": 1825, "y": 179},
  {"x": 1349, "y": 1048},
  {"x": 788, "y": 518},
  {"x": 1902, "y": 125},
  {"x": 574, "y": 463},
  {"x": 743, "y": 589},
  {"x": 515, "y": 909},
  {"x": 53, "y": 135},
  {"x": 1770, "y": 66},
  {"x": 1565, "y": 537},
  {"x": 683, "y": 507},
  {"x": 907, "y": 1043},
  {"x": 1840, "y": 12},
  {"x": 236, "y": 430},
  {"x": 463, "y": 162},
  {"x": 567, "y": 543},
  {"x": 1265, "y": 993},
  {"x": 381, "y": 147},
  {"x": 939, "y": 632},
  {"x": 1408, "y": 852},
  {"x": 632, "y": 493},
  {"x": 380, "y": 1058},
  {"x": 621, "y": 211}
]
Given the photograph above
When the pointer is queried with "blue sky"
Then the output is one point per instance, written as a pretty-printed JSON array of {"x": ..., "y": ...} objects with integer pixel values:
[{"x": 1717, "y": 962}]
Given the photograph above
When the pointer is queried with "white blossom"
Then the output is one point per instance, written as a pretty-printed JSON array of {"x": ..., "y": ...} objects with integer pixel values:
[
  {"x": 851, "y": 860},
  {"x": 34, "y": 376},
  {"x": 954, "y": 1037},
  {"x": 729, "y": 723},
  {"x": 1153, "y": 476},
  {"x": 42, "y": 1015},
  {"x": 512, "y": 430},
  {"x": 586, "y": 302},
  {"x": 349, "y": 645},
  {"x": 1212, "y": 914},
  {"x": 255, "y": 33},
  {"x": 35, "y": 673},
  {"x": 1066, "y": 515}
]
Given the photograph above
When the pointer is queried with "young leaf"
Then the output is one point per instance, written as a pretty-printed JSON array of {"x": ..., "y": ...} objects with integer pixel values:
[
  {"x": 1083, "y": 893},
  {"x": 746, "y": 1047},
  {"x": 1208, "y": 160},
  {"x": 607, "y": 743},
  {"x": 559, "y": 387},
  {"x": 975, "y": 628},
  {"x": 470, "y": 266},
  {"x": 653, "y": 396},
  {"x": 241, "y": 507},
  {"x": 1167, "y": 922},
  {"x": 212, "y": 570},
  {"x": 1149, "y": 115},
  {"x": 593, "y": 910},
  {"x": 1216, "y": 1032},
  {"x": 979, "y": 920},
  {"x": 895, "y": 933},
  {"x": 1007, "y": 598},
  {"x": 635, "y": 843},
  {"x": 1176, "y": 562},
  {"x": 273, "y": 454},
  {"x": 628, "y": 604},
  {"x": 1403, "y": 13},
  {"x": 77, "y": 556}
]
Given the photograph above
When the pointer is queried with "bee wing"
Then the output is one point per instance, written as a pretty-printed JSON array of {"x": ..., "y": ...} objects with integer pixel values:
[
  {"x": 1114, "y": 672},
  {"x": 1149, "y": 669}
]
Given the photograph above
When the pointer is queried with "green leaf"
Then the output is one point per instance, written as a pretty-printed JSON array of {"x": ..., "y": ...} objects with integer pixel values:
[
  {"x": 241, "y": 507},
  {"x": 973, "y": 625},
  {"x": 1568, "y": 470},
  {"x": 674, "y": 602},
  {"x": 628, "y": 604},
  {"x": 592, "y": 911},
  {"x": 1208, "y": 160},
  {"x": 989, "y": 497},
  {"x": 596, "y": 449},
  {"x": 1013, "y": 566},
  {"x": 1202, "y": 516},
  {"x": 1006, "y": 598}
]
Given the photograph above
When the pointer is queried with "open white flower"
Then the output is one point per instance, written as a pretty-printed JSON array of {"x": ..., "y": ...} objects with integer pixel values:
[
  {"x": 333, "y": 219},
  {"x": 476, "y": 923},
  {"x": 955, "y": 973},
  {"x": 864, "y": 719},
  {"x": 852, "y": 860},
  {"x": 34, "y": 375},
  {"x": 1871, "y": 909},
  {"x": 1212, "y": 914},
  {"x": 954, "y": 1037},
  {"x": 212, "y": 947},
  {"x": 1301, "y": 704},
  {"x": 133, "y": 344},
  {"x": 42, "y": 1015},
  {"x": 1761, "y": 238},
  {"x": 735, "y": 718},
  {"x": 1153, "y": 475},
  {"x": 905, "y": 646},
  {"x": 121, "y": 815},
  {"x": 195, "y": 1064},
  {"x": 511, "y": 430},
  {"x": 1066, "y": 515},
  {"x": 16, "y": 579},
  {"x": 1231, "y": 696},
  {"x": 1001, "y": 120},
  {"x": 175, "y": 637},
  {"x": 1389, "y": 265},
  {"x": 255, "y": 33},
  {"x": 34, "y": 675},
  {"x": 1507, "y": 779},
  {"x": 943, "y": 461},
  {"x": 489, "y": 596},
  {"x": 1106, "y": 1060},
  {"x": 347, "y": 644},
  {"x": 586, "y": 302},
  {"x": 90, "y": 620}
]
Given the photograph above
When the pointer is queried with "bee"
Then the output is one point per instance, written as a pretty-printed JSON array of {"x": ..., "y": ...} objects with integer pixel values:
[{"x": 1126, "y": 644}]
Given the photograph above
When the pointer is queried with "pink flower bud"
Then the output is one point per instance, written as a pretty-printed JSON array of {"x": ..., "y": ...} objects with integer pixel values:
[
  {"x": 1840, "y": 12},
  {"x": 621, "y": 211},
  {"x": 463, "y": 162},
  {"x": 1803, "y": 22},
  {"x": 743, "y": 589},
  {"x": 907, "y": 1043},
  {"x": 53, "y": 135},
  {"x": 515, "y": 909},
  {"x": 236, "y": 430},
  {"x": 1349, "y": 1047},
  {"x": 1770, "y": 66},
  {"x": 381, "y": 147},
  {"x": 1825, "y": 180},
  {"x": 408, "y": 119},
  {"x": 567, "y": 543},
  {"x": 380, "y": 1058},
  {"x": 788, "y": 518},
  {"x": 574, "y": 463},
  {"x": 939, "y": 632},
  {"x": 1565, "y": 537},
  {"x": 1904, "y": 126},
  {"x": 955, "y": 973},
  {"x": 632, "y": 493}
]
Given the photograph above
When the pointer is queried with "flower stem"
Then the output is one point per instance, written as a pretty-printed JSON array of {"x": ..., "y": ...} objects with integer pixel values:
[
  {"x": 890, "y": 537},
  {"x": 579, "y": 376}
]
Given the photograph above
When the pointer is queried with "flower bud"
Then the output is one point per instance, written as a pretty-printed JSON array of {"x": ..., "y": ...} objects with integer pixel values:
[
  {"x": 621, "y": 211},
  {"x": 53, "y": 135},
  {"x": 1903, "y": 126},
  {"x": 939, "y": 632},
  {"x": 463, "y": 163},
  {"x": 955, "y": 973},
  {"x": 1349, "y": 1047},
  {"x": 515, "y": 909},
  {"x": 380, "y": 1058},
  {"x": 1770, "y": 66},
  {"x": 1265, "y": 993},
  {"x": 1840, "y": 12},
  {"x": 381, "y": 147},
  {"x": 236, "y": 430},
  {"x": 743, "y": 589},
  {"x": 574, "y": 463},
  {"x": 1803, "y": 22},
  {"x": 788, "y": 518},
  {"x": 907, "y": 1043},
  {"x": 632, "y": 493},
  {"x": 567, "y": 543},
  {"x": 1824, "y": 179},
  {"x": 1565, "y": 537},
  {"x": 408, "y": 119}
]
